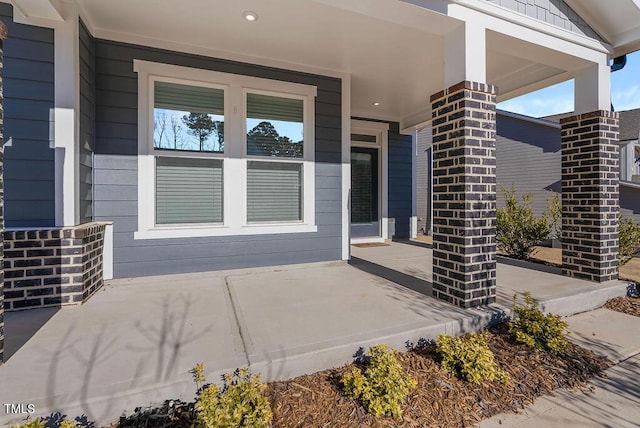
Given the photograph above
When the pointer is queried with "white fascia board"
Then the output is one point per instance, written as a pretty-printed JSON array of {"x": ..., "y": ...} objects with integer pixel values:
[
  {"x": 39, "y": 9},
  {"x": 627, "y": 42},
  {"x": 514, "y": 24}
]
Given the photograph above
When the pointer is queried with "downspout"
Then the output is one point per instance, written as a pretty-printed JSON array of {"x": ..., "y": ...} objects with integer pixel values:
[{"x": 618, "y": 64}]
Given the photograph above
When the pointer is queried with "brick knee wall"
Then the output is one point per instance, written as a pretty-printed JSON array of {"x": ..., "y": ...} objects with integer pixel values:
[
  {"x": 464, "y": 194},
  {"x": 590, "y": 191},
  {"x": 52, "y": 267}
]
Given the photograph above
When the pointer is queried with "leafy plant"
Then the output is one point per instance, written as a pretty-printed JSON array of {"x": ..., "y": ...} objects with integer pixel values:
[
  {"x": 629, "y": 239},
  {"x": 469, "y": 358},
  {"x": 240, "y": 403},
  {"x": 518, "y": 230},
  {"x": 31, "y": 423},
  {"x": 554, "y": 208},
  {"x": 544, "y": 332},
  {"x": 383, "y": 386},
  {"x": 47, "y": 422}
]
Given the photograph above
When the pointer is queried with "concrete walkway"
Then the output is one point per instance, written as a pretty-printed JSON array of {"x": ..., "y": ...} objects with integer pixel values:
[
  {"x": 135, "y": 341},
  {"x": 611, "y": 401}
]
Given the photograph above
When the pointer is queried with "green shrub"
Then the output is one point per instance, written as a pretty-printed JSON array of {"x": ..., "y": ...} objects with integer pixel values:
[
  {"x": 383, "y": 386},
  {"x": 629, "y": 235},
  {"x": 240, "y": 403},
  {"x": 31, "y": 423},
  {"x": 518, "y": 230},
  {"x": 554, "y": 210},
  {"x": 469, "y": 358},
  {"x": 537, "y": 330}
]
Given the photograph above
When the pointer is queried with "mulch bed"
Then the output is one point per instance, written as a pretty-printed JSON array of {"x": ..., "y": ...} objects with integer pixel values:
[
  {"x": 440, "y": 400},
  {"x": 627, "y": 305}
]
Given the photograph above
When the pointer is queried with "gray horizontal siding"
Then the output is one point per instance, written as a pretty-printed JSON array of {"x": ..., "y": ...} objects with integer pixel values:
[
  {"x": 422, "y": 188},
  {"x": 115, "y": 175},
  {"x": 400, "y": 176},
  {"x": 630, "y": 201},
  {"x": 28, "y": 89},
  {"x": 527, "y": 157},
  {"x": 87, "y": 123}
]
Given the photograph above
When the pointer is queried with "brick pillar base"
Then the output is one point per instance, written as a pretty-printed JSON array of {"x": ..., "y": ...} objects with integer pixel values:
[
  {"x": 464, "y": 194},
  {"x": 590, "y": 196}
]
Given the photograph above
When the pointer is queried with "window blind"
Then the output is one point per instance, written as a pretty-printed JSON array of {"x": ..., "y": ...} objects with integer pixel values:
[
  {"x": 274, "y": 191},
  {"x": 274, "y": 108},
  {"x": 193, "y": 99},
  {"x": 188, "y": 190}
]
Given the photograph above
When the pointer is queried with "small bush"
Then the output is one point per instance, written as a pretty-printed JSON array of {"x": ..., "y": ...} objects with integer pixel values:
[
  {"x": 629, "y": 235},
  {"x": 42, "y": 423},
  {"x": 240, "y": 403},
  {"x": 537, "y": 330},
  {"x": 31, "y": 423},
  {"x": 383, "y": 386},
  {"x": 554, "y": 210},
  {"x": 518, "y": 231},
  {"x": 469, "y": 358}
]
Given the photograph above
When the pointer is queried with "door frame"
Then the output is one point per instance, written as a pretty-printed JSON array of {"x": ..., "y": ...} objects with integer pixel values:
[{"x": 379, "y": 130}]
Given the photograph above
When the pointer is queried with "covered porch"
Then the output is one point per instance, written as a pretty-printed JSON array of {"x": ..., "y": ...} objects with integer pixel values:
[{"x": 135, "y": 341}]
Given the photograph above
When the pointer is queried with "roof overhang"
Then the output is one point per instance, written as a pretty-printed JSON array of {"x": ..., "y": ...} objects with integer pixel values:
[
  {"x": 392, "y": 51},
  {"x": 618, "y": 22}
]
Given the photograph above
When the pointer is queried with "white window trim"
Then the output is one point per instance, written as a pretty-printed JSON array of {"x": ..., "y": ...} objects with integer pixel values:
[
  {"x": 234, "y": 157},
  {"x": 381, "y": 131}
]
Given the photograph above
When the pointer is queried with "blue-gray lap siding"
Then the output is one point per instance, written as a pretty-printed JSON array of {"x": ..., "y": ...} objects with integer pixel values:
[
  {"x": 527, "y": 158},
  {"x": 87, "y": 123},
  {"x": 400, "y": 194},
  {"x": 630, "y": 200},
  {"x": 28, "y": 87},
  {"x": 115, "y": 173}
]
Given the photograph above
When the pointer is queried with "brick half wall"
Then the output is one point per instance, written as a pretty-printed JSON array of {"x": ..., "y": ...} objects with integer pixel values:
[{"x": 53, "y": 267}]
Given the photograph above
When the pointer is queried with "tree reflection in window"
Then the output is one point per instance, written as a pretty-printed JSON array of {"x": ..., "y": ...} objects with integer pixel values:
[{"x": 264, "y": 140}]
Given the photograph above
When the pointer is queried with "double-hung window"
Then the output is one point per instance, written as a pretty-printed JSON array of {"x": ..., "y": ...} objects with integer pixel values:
[{"x": 223, "y": 154}]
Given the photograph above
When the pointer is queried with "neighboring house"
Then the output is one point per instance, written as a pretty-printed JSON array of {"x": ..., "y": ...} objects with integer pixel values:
[
  {"x": 149, "y": 138},
  {"x": 528, "y": 159}
]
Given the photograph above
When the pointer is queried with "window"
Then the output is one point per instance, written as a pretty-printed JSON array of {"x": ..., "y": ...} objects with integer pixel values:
[
  {"x": 187, "y": 117},
  {"x": 274, "y": 191},
  {"x": 188, "y": 190},
  {"x": 223, "y": 154},
  {"x": 275, "y": 126}
]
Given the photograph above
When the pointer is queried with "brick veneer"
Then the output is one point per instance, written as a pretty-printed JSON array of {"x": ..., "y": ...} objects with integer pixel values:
[
  {"x": 590, "y": 191},
  {"x": 52, "y": 267},
  {"x": 464, "y": 194}
]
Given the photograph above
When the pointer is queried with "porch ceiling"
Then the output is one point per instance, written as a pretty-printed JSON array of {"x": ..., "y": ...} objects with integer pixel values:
[{"x": 394, "y": 51}]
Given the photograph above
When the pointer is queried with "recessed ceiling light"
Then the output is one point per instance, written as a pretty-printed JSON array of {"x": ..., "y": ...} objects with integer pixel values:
[
  {"x": 250, "y": 16},
  {"x": 376, "y": 104}
]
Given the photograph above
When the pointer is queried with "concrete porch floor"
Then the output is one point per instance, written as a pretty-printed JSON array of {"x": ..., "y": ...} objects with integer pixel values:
[{"x": 135, "y": 341}]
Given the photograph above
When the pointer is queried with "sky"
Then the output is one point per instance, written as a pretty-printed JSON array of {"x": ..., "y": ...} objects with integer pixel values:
[{"x": 625, "y": 94}]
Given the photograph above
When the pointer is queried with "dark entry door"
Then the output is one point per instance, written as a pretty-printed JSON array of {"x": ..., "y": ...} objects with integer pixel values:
[{"x": 364, "y": 192}]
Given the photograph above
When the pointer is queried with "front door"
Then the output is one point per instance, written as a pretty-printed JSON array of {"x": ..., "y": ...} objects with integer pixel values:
[{"x": 365, "y": 210}]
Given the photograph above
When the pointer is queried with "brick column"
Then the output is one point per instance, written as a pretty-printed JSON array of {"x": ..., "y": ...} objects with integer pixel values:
[
  {"x": 3, "y": 35},
  {"x": 590, "y": 196},
  {"x": 464, "y": 194}
]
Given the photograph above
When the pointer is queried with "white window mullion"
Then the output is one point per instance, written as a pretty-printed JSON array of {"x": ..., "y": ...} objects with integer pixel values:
[{"x": 234, "y": 159}]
